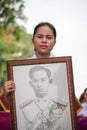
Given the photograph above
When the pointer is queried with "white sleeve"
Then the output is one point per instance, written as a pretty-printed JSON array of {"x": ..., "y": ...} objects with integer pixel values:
[{"x": 83, "y": 112}]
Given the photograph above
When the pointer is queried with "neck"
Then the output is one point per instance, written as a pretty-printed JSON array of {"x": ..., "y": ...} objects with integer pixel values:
[
  {"x": 42, "y": 55},
  {"x": 42, "y": 97}
]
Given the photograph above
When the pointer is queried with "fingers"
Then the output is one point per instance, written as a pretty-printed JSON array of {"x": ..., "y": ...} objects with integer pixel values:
[{"x": 9, "y": 86}]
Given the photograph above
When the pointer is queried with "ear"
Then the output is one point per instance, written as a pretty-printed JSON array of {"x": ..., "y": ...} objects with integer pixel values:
[
  {"x": 55, "y": 42},
  {"x": 31, "y": 83},
  {"x": 33, "y": 42}
]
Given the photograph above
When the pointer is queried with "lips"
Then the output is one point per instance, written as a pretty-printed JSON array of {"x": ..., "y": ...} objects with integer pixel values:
[
  {"x": 43, "y": 46},
  {"x": 41, "y": 90}
]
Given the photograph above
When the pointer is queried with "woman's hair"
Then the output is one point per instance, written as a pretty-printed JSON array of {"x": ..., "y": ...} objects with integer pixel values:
[
  {"x": 82, "y": 99},
  {"x": 45, "y": 24},
  {"x": 85, "y": 90}
]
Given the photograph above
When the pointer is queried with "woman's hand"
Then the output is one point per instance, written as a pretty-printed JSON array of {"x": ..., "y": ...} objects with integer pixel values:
[{"x": 9, "y": 86}]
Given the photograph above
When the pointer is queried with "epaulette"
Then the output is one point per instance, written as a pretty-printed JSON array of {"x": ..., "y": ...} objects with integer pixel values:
[
  {"x": 21, "y": 106},
  {"x": 61, "y": 102}
]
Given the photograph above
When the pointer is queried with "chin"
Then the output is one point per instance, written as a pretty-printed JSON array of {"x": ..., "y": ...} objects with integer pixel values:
[{"x": 42, "y": 95}]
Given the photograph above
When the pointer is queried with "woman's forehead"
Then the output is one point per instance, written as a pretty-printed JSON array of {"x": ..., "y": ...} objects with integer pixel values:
[{"x": 44, "y": 30}]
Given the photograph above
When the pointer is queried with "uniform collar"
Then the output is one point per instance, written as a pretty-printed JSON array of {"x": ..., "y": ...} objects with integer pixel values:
[{"x": 42, "y": 103}]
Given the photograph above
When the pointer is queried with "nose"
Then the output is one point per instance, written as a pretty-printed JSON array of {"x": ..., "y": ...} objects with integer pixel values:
[
  {"x": 44, "y": 39},
  {"x": 39, "y": 83}
]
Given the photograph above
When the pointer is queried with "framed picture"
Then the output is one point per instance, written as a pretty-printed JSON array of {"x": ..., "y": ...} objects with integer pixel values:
[{"x": 44, "y": 96}]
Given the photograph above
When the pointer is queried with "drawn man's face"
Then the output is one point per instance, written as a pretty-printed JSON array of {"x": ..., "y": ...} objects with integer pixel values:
[{"x": 40, "y": 83}]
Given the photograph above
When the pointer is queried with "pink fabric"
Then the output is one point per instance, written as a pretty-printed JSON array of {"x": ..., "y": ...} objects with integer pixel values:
[
  {"x": 4, "y": 120},
  {"x": 82, "y": 123}
]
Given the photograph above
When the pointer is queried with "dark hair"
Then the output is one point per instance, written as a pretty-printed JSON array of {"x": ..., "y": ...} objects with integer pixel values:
[
  {"x": 81, "y": 98},
  {"x": 37, "y": 68},
  {"x": 45, "y": 24},
  {"x": 85, "y": 90}
]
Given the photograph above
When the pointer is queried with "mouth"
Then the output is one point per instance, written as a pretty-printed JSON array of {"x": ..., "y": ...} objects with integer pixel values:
[
  {"x": 43, "y": 46},
  {"x": 41, "y": 90}
]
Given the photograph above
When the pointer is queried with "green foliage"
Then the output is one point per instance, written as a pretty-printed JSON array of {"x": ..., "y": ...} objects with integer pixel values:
[
  {"x": 15, "y": 43},
  {"x": 10, "y": 10},
  {"x": 21, "y": 48}
]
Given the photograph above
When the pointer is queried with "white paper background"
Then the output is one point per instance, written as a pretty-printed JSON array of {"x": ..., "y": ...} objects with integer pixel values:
[{"x": 24, "y": 91}]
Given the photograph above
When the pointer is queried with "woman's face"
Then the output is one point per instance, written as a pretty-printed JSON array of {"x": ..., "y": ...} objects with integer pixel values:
[{"x": 44, "y": 41}]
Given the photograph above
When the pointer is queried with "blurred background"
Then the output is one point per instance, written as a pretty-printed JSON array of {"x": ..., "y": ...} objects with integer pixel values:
[{"x": 18, "y": 19}]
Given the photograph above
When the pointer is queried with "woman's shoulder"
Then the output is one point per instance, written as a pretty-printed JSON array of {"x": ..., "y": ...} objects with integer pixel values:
[{"x": 84, "y": 104}]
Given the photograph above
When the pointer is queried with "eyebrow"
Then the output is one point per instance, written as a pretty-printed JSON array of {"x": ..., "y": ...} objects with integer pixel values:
[{"x": 45, "y": 35}]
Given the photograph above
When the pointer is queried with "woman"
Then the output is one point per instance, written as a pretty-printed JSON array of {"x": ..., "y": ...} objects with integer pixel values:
[
  {"x": 83, "y": 112},
  {"x": 44, "y": 39}
]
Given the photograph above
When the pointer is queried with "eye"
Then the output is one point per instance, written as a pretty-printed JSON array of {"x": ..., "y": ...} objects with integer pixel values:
[
  {"x": 35, "y": 81},
  {"x": 43, "y": 80},
  {"x": 39, "y": 36},
  {"x": 49, "y": 37}
]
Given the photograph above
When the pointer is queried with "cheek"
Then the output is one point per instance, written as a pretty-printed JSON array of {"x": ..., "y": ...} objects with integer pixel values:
[
  {"x": 35, "y": 42},
  {"x": 35, "y": 89},
  {"x": 45, "y": 84},
  {"x": 51, "y": 44},
  {"x": 34, "y": 85}
]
